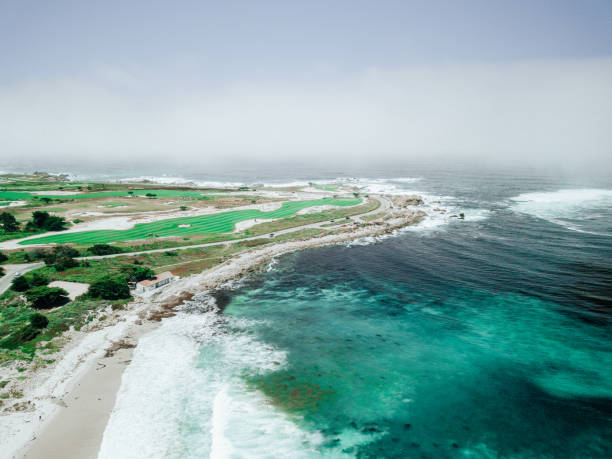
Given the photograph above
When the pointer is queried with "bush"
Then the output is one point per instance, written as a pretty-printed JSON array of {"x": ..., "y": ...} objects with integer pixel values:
[
  {"x": 23, "y": 335},
  {"x": 104, "y": 249},
  {"x": 137, "y": 273},
  {"x": 38, "y": 279},
  {"x": 61, "y": 257},
  {"x": 8, "y": 222},
  {"x": 3, "y": 257},
  {"x": 2, "y": 273},
  {"x": 183, "y": 207},
  {"x": 42, "y": 220},
  {"x": 20, "y": 284},
  {"x": 110, "y": 288},
  {"x": 47, "y": 297},
  {"x": 38, "y": 320}
]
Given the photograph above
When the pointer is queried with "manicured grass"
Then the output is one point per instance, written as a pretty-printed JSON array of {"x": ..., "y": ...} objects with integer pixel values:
[
  {"x": 215, "y": 223},
  {"x": 15, "y": 195},
  {"x": 23, "y": 195},
  {"x": 326, "y": 187}
]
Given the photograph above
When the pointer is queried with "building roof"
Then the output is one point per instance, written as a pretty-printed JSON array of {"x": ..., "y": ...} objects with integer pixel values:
[{"x": 158, "y": 278}]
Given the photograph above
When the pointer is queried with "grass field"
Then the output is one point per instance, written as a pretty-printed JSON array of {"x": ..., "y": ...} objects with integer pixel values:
[
  {"x": 222, "y": 222},
  {"x": 24, "y": 195},
  {"x": 326, "y": 187}
]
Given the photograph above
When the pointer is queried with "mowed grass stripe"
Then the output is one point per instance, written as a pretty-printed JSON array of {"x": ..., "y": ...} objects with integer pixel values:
[
  {"x": 17, "y": 195},
  {"x": 223, "y": 222}
]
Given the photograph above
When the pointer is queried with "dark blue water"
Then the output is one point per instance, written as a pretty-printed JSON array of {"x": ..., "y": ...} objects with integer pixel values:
[{"x": 488, "y": 337}]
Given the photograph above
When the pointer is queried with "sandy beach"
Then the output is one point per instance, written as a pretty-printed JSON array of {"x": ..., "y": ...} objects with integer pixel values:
[{"x": 74, "y": 397}]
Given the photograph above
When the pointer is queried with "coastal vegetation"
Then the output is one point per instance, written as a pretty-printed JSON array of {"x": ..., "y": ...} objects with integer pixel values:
[{"x": 27, "y": 335}]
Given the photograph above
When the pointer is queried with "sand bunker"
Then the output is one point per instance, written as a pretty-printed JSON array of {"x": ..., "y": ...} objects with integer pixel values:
[{"x": 74, "y": 289}]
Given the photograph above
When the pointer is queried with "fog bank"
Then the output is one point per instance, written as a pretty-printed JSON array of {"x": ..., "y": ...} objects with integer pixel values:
[{"x": 531, "y": 112}]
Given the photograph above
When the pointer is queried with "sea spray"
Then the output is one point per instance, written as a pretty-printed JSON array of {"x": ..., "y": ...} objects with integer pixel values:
[{"x": 183, "y": 395}]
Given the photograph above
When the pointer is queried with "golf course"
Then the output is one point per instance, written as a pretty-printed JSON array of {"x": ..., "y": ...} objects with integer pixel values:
[
  {"x": 222, "y": 222},
  {"x": 24, "y": 195}
]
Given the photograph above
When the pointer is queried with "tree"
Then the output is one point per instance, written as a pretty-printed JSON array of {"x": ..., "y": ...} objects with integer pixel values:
[
  {"x": 39, "y": 218},
  {"x": 42, "y": 220},
  {"x": 61, "y": 257},
  {"x": 54, "y": 223},
  {"x": 104, "y": 249},
  {"x": 110, "y": 288},
  {"x": 38, "y": 279},
  {"x": 20, "y": 284},
  {"x": 47, "y": 297},
  {"x": 137, "y": 273},
  {"x": 8, "y": 222},
  {"x": 2, "y": 271},
  {"x": 38, "y": 320},
  {"x": 3, "y": 257}
]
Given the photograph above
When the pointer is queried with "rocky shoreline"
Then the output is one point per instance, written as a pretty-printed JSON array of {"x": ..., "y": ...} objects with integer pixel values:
[{"x": 48, "y": 403}]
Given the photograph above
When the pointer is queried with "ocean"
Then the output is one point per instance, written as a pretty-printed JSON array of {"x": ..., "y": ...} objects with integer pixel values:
[{"x": 485, "y": 337}]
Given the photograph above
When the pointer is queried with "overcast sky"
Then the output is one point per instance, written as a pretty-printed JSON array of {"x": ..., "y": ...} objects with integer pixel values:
[{"x": 331, "y": 80}]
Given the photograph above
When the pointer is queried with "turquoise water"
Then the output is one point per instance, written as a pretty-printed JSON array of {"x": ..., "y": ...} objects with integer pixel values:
[{"x": 488, "y": 337}]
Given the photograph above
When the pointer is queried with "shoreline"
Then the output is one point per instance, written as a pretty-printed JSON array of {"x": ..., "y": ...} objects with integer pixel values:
[{"x": 68, "y": 399}]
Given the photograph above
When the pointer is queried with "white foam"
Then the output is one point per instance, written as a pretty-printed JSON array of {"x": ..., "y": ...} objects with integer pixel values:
[
  {"x": 183, "y": 395},
  {"x": 167, "y": 180},
  {"x": 560, "y": 206}
]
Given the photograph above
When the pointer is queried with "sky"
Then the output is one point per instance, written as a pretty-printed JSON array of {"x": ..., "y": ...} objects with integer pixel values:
[{"x": 321, "y": 81}]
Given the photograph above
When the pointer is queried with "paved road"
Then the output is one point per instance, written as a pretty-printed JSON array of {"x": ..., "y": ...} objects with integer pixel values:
[{"x": 12, "y": 270}]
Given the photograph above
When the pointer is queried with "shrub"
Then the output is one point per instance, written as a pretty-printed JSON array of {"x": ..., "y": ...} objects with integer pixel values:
[
  {"x": 136, "y": 273},
  {"x": 183, "y": 207},
  {"x": 23, "y": 335},
  {"x": 110, "y": 288},
  {"x": 47, "y": 297},
  {"x": 20, "y": 284},
  {"x": 42, "y": 220},
  {"x": 77, "y": 220},
  {"x": 38, "y": 279},
  {"x": 8, "y": 222},
  {"x": 61, "y": 257},
  {"x": 104, "y": 249},
  {"x": 38, "y": 320}
]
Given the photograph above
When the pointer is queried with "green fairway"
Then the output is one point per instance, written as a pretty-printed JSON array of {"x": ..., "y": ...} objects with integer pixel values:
[
  {"x": 326, "y": 187},
  {"x": 215, "y": 223},
  {"x": 21, "y": 195},
  {"x": 15, "y": 195}
]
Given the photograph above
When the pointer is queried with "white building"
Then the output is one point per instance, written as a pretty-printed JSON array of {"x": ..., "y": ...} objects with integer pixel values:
[{"x": 158, "y": 281}]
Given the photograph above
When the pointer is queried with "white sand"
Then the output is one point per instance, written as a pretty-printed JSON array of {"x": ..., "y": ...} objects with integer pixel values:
[
  {"x": 246, "y": 224},
  {"x": 127, "y": 221},
  {"x": 55, "y": 193},
  {"x": 78, "y": 396},
  {"x": 74, "y": 289}
]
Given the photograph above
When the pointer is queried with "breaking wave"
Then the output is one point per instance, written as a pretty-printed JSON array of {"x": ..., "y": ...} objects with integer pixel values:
[
  {"x": 184, "y": 395},
  {"x": 575, "y": 209}
]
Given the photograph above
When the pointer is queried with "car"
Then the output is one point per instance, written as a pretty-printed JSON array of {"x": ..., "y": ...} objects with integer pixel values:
[{"x": 18, "y": 273}]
